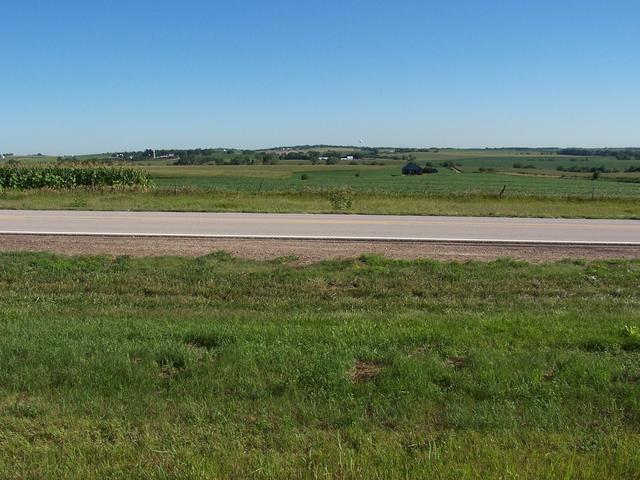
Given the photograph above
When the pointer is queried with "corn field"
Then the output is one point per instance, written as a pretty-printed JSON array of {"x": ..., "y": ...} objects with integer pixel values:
[{"x": 66, "y": 177}]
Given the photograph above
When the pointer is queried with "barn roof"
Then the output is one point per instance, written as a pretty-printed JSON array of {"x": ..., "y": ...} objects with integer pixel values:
[{"x": 412, "y": 166}]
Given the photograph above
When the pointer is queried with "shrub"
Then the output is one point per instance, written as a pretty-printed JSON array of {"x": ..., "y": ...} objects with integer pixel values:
[{"x": 341, "y": 199}]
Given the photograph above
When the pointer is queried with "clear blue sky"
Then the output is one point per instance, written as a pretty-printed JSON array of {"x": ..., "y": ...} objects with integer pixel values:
[{"x": 106, "y": 75}]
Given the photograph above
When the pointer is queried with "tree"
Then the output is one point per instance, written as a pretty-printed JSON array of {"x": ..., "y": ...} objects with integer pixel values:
[{"x": 269, "y": 159}]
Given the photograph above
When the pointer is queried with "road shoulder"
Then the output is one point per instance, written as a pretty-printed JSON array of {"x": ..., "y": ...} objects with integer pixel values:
[{"x": 307, "y": 251}]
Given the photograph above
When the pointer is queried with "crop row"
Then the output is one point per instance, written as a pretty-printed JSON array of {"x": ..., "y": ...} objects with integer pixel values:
[{"x": 62, "y": 177}]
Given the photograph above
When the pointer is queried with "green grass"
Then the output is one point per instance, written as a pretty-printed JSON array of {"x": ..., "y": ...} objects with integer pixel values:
[
  {"x": 221, "y": 368},
  {"x": 318, "y": 202}
]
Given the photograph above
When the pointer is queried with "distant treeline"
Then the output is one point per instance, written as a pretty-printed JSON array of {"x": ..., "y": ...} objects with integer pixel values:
[
  {"x": 600, "y": 169},
  {"x": 196, "y": 156},
  {"x": 412, "y": 150},
  {"x": 544, "y": 151},
  {"x": 219, "y": 156},
  {"x": 577, "y": 169},
  {"x": 146, "y": 155},
  {"x": 204, "y": 157},
  {"x": 620, "y": 154},
  {"x": 313, "y": 155}
]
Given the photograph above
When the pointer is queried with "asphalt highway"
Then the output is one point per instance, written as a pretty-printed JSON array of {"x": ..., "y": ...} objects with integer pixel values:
[{"x": 311, "y": 226}]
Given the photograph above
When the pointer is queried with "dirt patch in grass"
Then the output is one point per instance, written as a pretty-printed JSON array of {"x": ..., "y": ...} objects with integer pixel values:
[
  {"x": 455, "y": 362},
  {"x": 168, "y": 372},
  {"x": 549, "y": 375},
  {"x": 634, "y": 378},
  {"x": 365, "y": 371}
]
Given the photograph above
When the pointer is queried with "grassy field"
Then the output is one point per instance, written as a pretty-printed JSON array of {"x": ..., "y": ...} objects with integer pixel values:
[
  {"x": 388, "y": 179},
  {"x": 220, "y": 368},
  {"x": 482, "y": 172},
  {"x": 197, "y": 200},
  {"x": 530, "y": 185}
]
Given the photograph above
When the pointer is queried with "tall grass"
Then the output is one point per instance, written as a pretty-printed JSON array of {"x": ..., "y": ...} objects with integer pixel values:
[{"x": 67, "y": 177}]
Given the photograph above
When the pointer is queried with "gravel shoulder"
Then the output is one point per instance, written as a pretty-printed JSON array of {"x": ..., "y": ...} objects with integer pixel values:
[{"x": 307, "y": 251}]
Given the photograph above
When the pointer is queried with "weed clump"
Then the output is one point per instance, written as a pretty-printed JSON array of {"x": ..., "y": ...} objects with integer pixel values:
[
  {"x": 341, "y": 199},
  {"x": 208, "y": 340},
  {"x": 170, "y": 362}
]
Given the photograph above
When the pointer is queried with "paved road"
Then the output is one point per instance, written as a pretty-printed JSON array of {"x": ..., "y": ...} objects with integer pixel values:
[{"x": 374, "y": 227}]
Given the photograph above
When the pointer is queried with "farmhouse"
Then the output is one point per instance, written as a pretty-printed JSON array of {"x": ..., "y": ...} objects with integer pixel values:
[{"x": 411, "y": 169}]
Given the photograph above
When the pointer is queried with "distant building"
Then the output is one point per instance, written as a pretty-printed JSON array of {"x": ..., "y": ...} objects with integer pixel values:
[
  {"x": 322, "y": 159},
  {"x": 348, "y": 157},
  {"x": 412, "y": 169}
]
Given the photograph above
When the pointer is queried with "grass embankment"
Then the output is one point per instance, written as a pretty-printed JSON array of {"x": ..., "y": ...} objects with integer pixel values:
[
  {"x": 215, "y": 367},
  {"x": 288, "y": 202}
]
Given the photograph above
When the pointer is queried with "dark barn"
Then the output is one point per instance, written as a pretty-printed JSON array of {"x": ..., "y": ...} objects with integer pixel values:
[{"x": 411, "y": 169}]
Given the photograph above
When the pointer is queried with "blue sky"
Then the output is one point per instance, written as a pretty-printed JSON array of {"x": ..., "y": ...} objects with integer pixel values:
[{"x": 90, "y": 76}]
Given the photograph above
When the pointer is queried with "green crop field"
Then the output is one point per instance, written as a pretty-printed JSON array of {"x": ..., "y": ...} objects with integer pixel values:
[
  {"x": 387, "y": 179},
  {"x": 65, "y": 178},
  {"x": 471, "y": 182},
  {"x": 476, "y": 172},
  {"x": 220, "y": 368}
]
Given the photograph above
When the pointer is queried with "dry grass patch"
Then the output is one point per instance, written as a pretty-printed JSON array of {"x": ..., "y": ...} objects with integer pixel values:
[
  {"x": 365, "y": 371},
  {"x": 456, "y": 362}
]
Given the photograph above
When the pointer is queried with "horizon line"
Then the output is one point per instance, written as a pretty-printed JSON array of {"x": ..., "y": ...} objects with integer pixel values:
[{"x": 326, "y": 145}]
